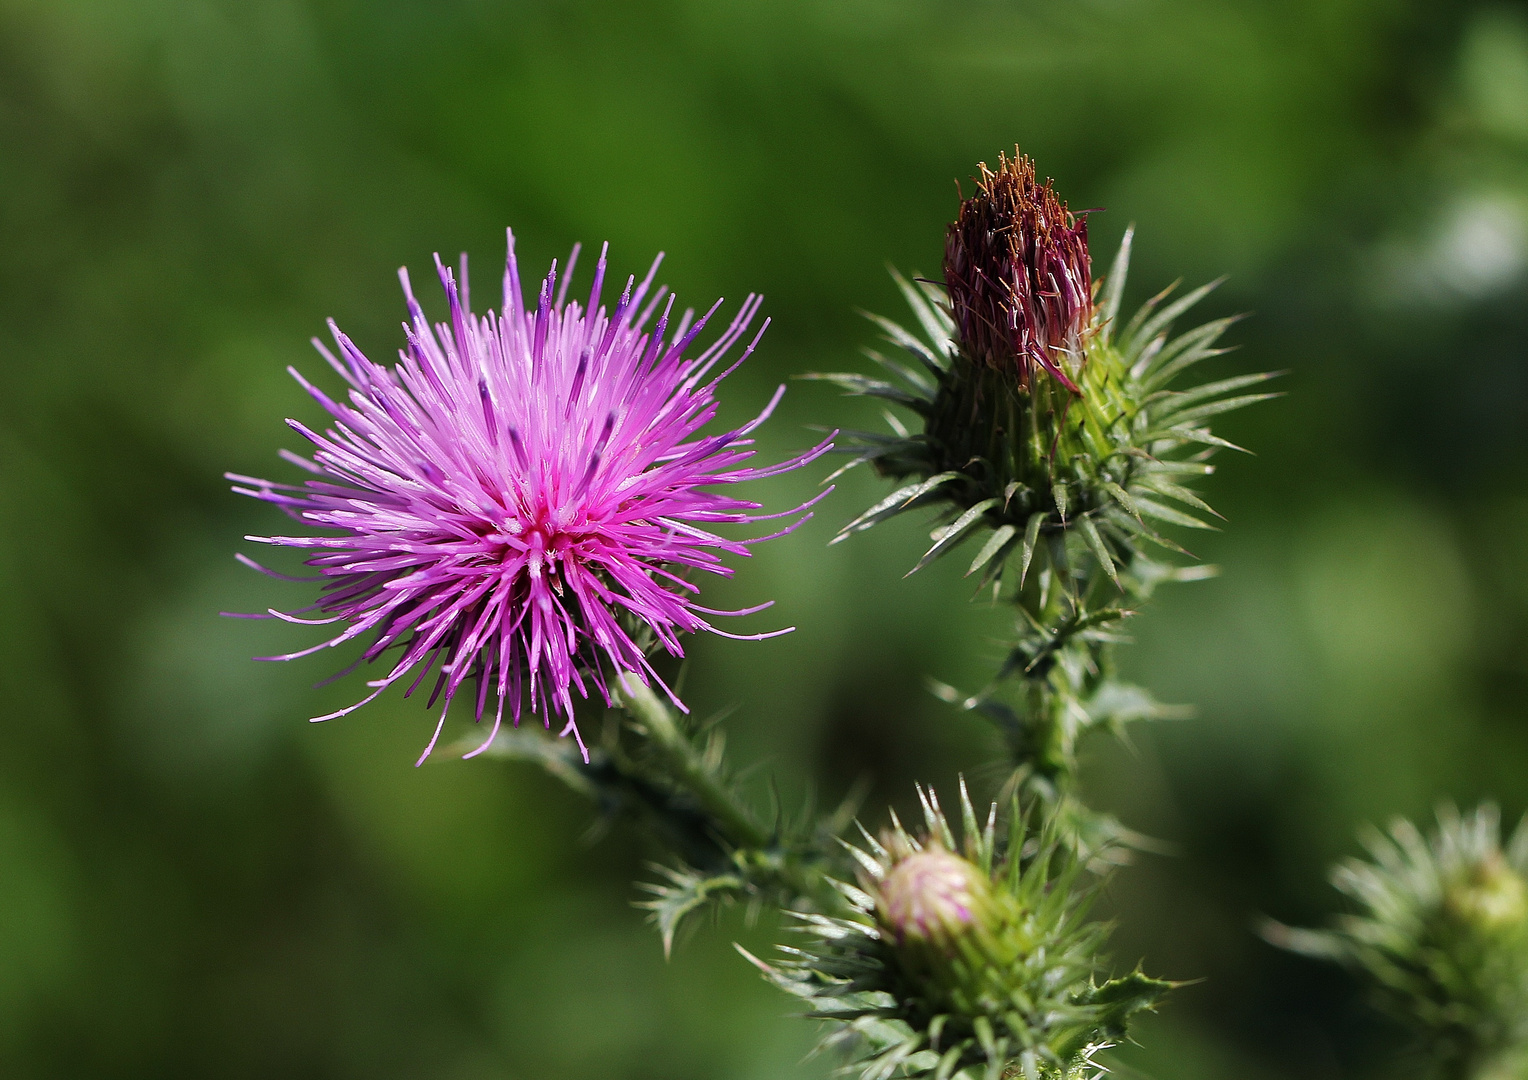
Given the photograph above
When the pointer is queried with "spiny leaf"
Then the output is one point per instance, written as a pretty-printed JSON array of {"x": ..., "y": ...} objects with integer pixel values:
[
  {"x": 1119, "y": 703},
  {"x": 889, "y": 445},
  {"x": 938, "y": 326},
  {"x": 1164, "y": 318},
  {"x": 1152, "y": 466},
  {"x": 1215, "y": 389},
  {"x": 952, "y": 534},
  {"x": 1114, "y": 284},
  {"x": 1212, "y": 408},
  {"x": 687, "y": 890},
  {"x": 894, "y": 503},
  {"x": 1121, "y": 496},
  {"x": 1031, "y": 537},
  {"x": 864, "y": 386},
  {"x": 1182, "y": 494},
  {"x": 1153, "y": 509},
  {"x": 1183, "y": 351},
  {"x": 995, "y": 543},
  {"x": 918, "y": 379},
  {"x": 1120, "y": 999},
  {"x": 1183, "y": 433},
  {"x": 1100, "y": 549},
  {"x": 1131, "y": 332},
  {"x": 899, "y": 336}
]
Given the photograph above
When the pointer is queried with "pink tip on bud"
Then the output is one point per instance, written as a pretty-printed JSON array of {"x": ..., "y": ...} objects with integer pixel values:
[{"x": 930, "y": 893}]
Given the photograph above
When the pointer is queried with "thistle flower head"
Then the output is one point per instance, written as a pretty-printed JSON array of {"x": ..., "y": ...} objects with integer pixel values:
[
  {"x": 1019, "y": 278},
  {"x": 1442, "y": 939},
  {"x": 969, "y": 956},
  {"x": 517, "y": 506}
]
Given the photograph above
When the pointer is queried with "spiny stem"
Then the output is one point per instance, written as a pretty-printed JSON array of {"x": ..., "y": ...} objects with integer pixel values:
[{"x": 684, "y": 765}]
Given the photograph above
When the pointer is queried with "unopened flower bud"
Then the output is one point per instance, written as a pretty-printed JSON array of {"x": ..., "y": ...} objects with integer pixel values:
[
  {"x": 980, "y": 951},
  {"x": 1492, "y": 899},
  {"x": 930, "y": 894}
]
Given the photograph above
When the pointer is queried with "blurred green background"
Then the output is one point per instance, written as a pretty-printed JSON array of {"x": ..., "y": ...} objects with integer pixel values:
[{"x": 195, "y": 882}]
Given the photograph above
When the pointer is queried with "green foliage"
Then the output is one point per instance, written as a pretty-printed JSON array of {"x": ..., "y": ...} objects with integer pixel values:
[
  {"x": 1016, "y": 993},
  {"x": 671, "y": 778},
  {"x": 1442, "y": 939}
]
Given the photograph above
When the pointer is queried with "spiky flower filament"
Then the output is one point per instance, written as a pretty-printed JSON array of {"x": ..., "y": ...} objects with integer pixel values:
[{"x": 521, "y": 501}]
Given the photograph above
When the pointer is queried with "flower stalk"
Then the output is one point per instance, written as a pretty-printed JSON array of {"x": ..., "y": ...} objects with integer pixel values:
[{"x": 757, "y": 852}]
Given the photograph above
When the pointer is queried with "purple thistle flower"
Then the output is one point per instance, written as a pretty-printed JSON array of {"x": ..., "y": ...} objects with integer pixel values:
[{"x": 520, "y": 499}]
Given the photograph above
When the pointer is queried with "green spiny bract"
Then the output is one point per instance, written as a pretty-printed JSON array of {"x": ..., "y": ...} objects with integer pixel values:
[
  {"x": 1056, "y": 436},
  {"x": 998, "y": 976},
  {"x": 1442, "y": 940}
]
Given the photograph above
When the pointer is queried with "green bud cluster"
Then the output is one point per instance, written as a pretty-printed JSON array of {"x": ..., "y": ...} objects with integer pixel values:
[
  {"x": 1442, "y": 940},
  {"x": 975, "y": 959}
]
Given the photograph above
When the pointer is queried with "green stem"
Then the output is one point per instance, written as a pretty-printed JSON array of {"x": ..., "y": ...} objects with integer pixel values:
[{"x": 685, "y": 767}]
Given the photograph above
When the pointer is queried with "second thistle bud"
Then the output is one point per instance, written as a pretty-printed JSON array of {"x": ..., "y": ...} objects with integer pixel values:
[
  {"x": 1442, "y": 938},
  {"x": 970, "y": 956},
  {"x": 930, "y": 895},
  {"x": 1490, "y": 898}
]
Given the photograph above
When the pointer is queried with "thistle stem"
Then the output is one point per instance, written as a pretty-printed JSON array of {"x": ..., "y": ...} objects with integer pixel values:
[{"x": 684, "y": 765}]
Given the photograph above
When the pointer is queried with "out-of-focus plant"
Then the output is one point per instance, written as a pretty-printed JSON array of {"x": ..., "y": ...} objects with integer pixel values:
[{"x": 1441, "y": 939}]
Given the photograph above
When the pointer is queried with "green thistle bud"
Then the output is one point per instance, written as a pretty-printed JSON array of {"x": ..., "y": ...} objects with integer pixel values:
[
  {"x": 982, "y": 961},
  {"x": 1490, "y": 899},
  {"x": 1040, "y": 414},
  {"x": 1442, "y": 941}
]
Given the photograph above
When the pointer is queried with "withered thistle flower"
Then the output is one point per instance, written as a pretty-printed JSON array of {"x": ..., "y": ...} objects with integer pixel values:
[
  {"x": 519, "y": 503},
  {"x": 1019, "y": 279}
]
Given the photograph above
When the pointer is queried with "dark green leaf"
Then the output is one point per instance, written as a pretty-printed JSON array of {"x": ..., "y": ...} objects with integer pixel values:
[
  {"x": 1031, "y": 537},
  {"x": 995, "y": 543},
  {"x": 1100, "y": 549}
]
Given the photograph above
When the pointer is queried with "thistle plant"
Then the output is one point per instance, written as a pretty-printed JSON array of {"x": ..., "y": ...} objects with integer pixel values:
[
  {"x": 1441, "y": 941},
  {"x": 1059, "y": 439},
  {"x": 519, "y": 499},
  {"x": 522, "y": 509}
]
